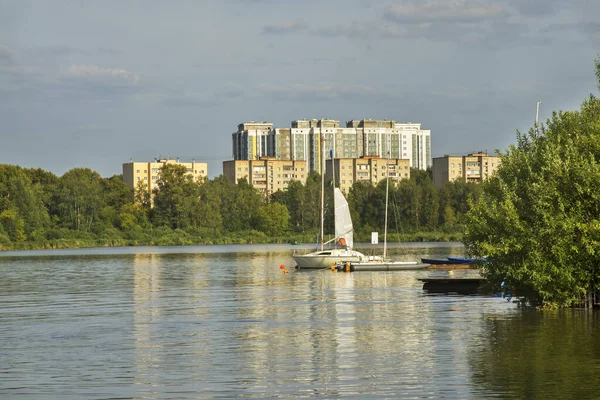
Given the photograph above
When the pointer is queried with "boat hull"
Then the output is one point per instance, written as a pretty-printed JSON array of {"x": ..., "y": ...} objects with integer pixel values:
[
  {"x": 327, "y": 258},
  {"x": 384, "y": 266},
  {"x": 449, "y": 260},
  {"x": 436, "y": 261}
]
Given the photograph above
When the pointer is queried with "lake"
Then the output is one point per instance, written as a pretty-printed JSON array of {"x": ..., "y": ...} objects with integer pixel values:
[{"x": 206, "y": 322}]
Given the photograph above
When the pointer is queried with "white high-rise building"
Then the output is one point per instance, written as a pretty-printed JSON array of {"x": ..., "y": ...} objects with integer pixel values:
[
  {"x": 416, "y": 144},
  {"x": 307, "y": 139}
]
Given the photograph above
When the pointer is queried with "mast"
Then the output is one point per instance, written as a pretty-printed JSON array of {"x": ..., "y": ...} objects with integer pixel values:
[
  {"x": 537, "y": 112},
  {"x": 322, "y": 188},
  {"x": 333, "y": 190},
  {"x": 387, "y": 184}
]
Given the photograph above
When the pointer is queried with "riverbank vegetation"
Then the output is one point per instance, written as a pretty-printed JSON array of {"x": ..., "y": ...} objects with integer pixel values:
[
  {"x": 538, "y": 219},
  {"x": 39, "y": 210}
]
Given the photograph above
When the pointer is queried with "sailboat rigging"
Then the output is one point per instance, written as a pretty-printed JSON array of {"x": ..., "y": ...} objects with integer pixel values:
[
  {"x": 344, "y": 231},
  {"x": 382, "y": 263}
]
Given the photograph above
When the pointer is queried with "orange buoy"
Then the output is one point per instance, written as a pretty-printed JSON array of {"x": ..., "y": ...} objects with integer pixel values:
[
  {"x": 282, "y": 266},
  {"x": 285, "y": 271}
]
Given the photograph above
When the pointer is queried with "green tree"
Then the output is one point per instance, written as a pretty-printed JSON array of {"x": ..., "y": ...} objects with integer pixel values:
[
  {"x": 13, "y": 225},
  {"x": 408, "y": 197},
  {"x": 430, "y": 204},
  {"x": 26, "y": 199},
  {"x": 272, "y": 219},
  {"x": 209, "y": 213},
  {"x": 77, "y": 199},
  {"x": 176, "y": 198},
  {"x": 538, "y": 218},
  {"x": 293, "y": 200},
  {"x": 364, "y": 213}
]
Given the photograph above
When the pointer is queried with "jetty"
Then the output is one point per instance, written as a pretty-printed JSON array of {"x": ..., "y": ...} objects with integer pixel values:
[{"x": 465, "y": 286}]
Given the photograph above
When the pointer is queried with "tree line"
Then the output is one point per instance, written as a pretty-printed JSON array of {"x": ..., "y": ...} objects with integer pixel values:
[{"x": 80, "y": 208}]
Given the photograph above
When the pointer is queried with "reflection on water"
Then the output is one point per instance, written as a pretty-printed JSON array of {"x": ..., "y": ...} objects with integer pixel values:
[
  {"x": 225, "y": 322},
  {"x": 554, "y": 353}
]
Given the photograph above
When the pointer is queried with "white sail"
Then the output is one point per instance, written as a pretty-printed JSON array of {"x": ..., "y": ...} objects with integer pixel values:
[{"x": 343, "y": 221}]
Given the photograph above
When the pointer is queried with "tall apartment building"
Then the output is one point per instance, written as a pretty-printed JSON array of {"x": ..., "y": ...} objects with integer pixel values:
[
  {"x": 367, "y": 169},
  {"x": 148, "y": 172},
  {"x": 475, "y": 168},
  {"x": 266, "y": 174},
  {"x": 306, "y": 139},
  {"x": 253, "y": 140},
  {"x": 416, "y": 144}
]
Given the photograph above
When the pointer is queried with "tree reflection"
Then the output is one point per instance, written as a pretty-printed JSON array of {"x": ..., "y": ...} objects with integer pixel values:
[{"x": 547, "y": 355}]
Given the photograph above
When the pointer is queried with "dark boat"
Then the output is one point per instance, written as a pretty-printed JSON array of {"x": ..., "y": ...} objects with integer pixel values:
[
  {"x": 436, "y": 261},
  {"x": 465, "y": 286},
  {"x": 447, "y": 260},
  {"x": 461, "y": 260}
]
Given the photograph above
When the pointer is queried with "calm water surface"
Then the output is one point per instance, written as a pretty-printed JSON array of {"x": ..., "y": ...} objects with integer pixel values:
[{"x": 207, "y": 322}]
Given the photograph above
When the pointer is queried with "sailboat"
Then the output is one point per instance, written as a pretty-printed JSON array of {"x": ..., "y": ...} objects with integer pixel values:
[
  {"x": 344, "y": 235},
  {"x": 382, "y": 263},
  {"x": 344, "y": 238}
]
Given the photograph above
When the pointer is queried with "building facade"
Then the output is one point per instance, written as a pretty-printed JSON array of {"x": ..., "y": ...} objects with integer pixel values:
[
  {"x": 475, "y": 168},
  {"x": 253, "y": 140},
  {"x": 416, "y": 144},
  {"x": 367, "y": 169},
  {"x": 266, "y": 174},
  {"x": 148, "y": 173},
  {"x": 308, "y": 139}
]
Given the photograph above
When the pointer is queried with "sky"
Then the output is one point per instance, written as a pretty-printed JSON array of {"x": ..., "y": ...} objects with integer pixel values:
[{"x": 94, "y": 84}]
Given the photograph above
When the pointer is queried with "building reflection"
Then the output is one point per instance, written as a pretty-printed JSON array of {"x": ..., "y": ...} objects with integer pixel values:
[
  {"x": 336, "y": 328},
  {"x": 169, "y": 296},
  {"x": 146, "y": 289}
]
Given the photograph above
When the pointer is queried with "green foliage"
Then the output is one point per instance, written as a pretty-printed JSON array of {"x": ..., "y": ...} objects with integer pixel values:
[
  {"x": 81, "y": 208},
  {"x": 78, "y": 199},
  {"x": 273, "y": 219},
  {"x": 13, "y": 225},
  {"x": 23, "y": 201},
  {"x": 538, "y": 218}
]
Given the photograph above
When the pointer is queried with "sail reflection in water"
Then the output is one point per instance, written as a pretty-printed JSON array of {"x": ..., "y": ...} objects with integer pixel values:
[{"x": 225, "y": 322}]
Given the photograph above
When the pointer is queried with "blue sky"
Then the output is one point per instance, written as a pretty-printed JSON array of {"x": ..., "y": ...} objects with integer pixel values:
[{"x": 94, "y": 83}]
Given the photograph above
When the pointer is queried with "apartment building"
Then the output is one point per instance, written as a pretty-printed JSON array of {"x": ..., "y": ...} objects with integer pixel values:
[
  {"x": 148, "y": 172},
  {"x": 253, "y": 140},
  {"x": 266, "y": 174},
  {"x": 367, "y": 169},
  {"x": 416, "y": 144},
  {"x": 475, "y": 167},
  {"x": 307, "y": 139}
]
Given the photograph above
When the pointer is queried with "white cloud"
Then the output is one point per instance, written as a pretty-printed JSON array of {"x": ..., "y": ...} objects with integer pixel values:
[
  {"x": 6, "y": 55},
  {"x": 462, "y": 11},
  {"x": 318, "y": 91},
  {"x": 283, "y": 27},
  {"x": 94, "y": 72}
]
